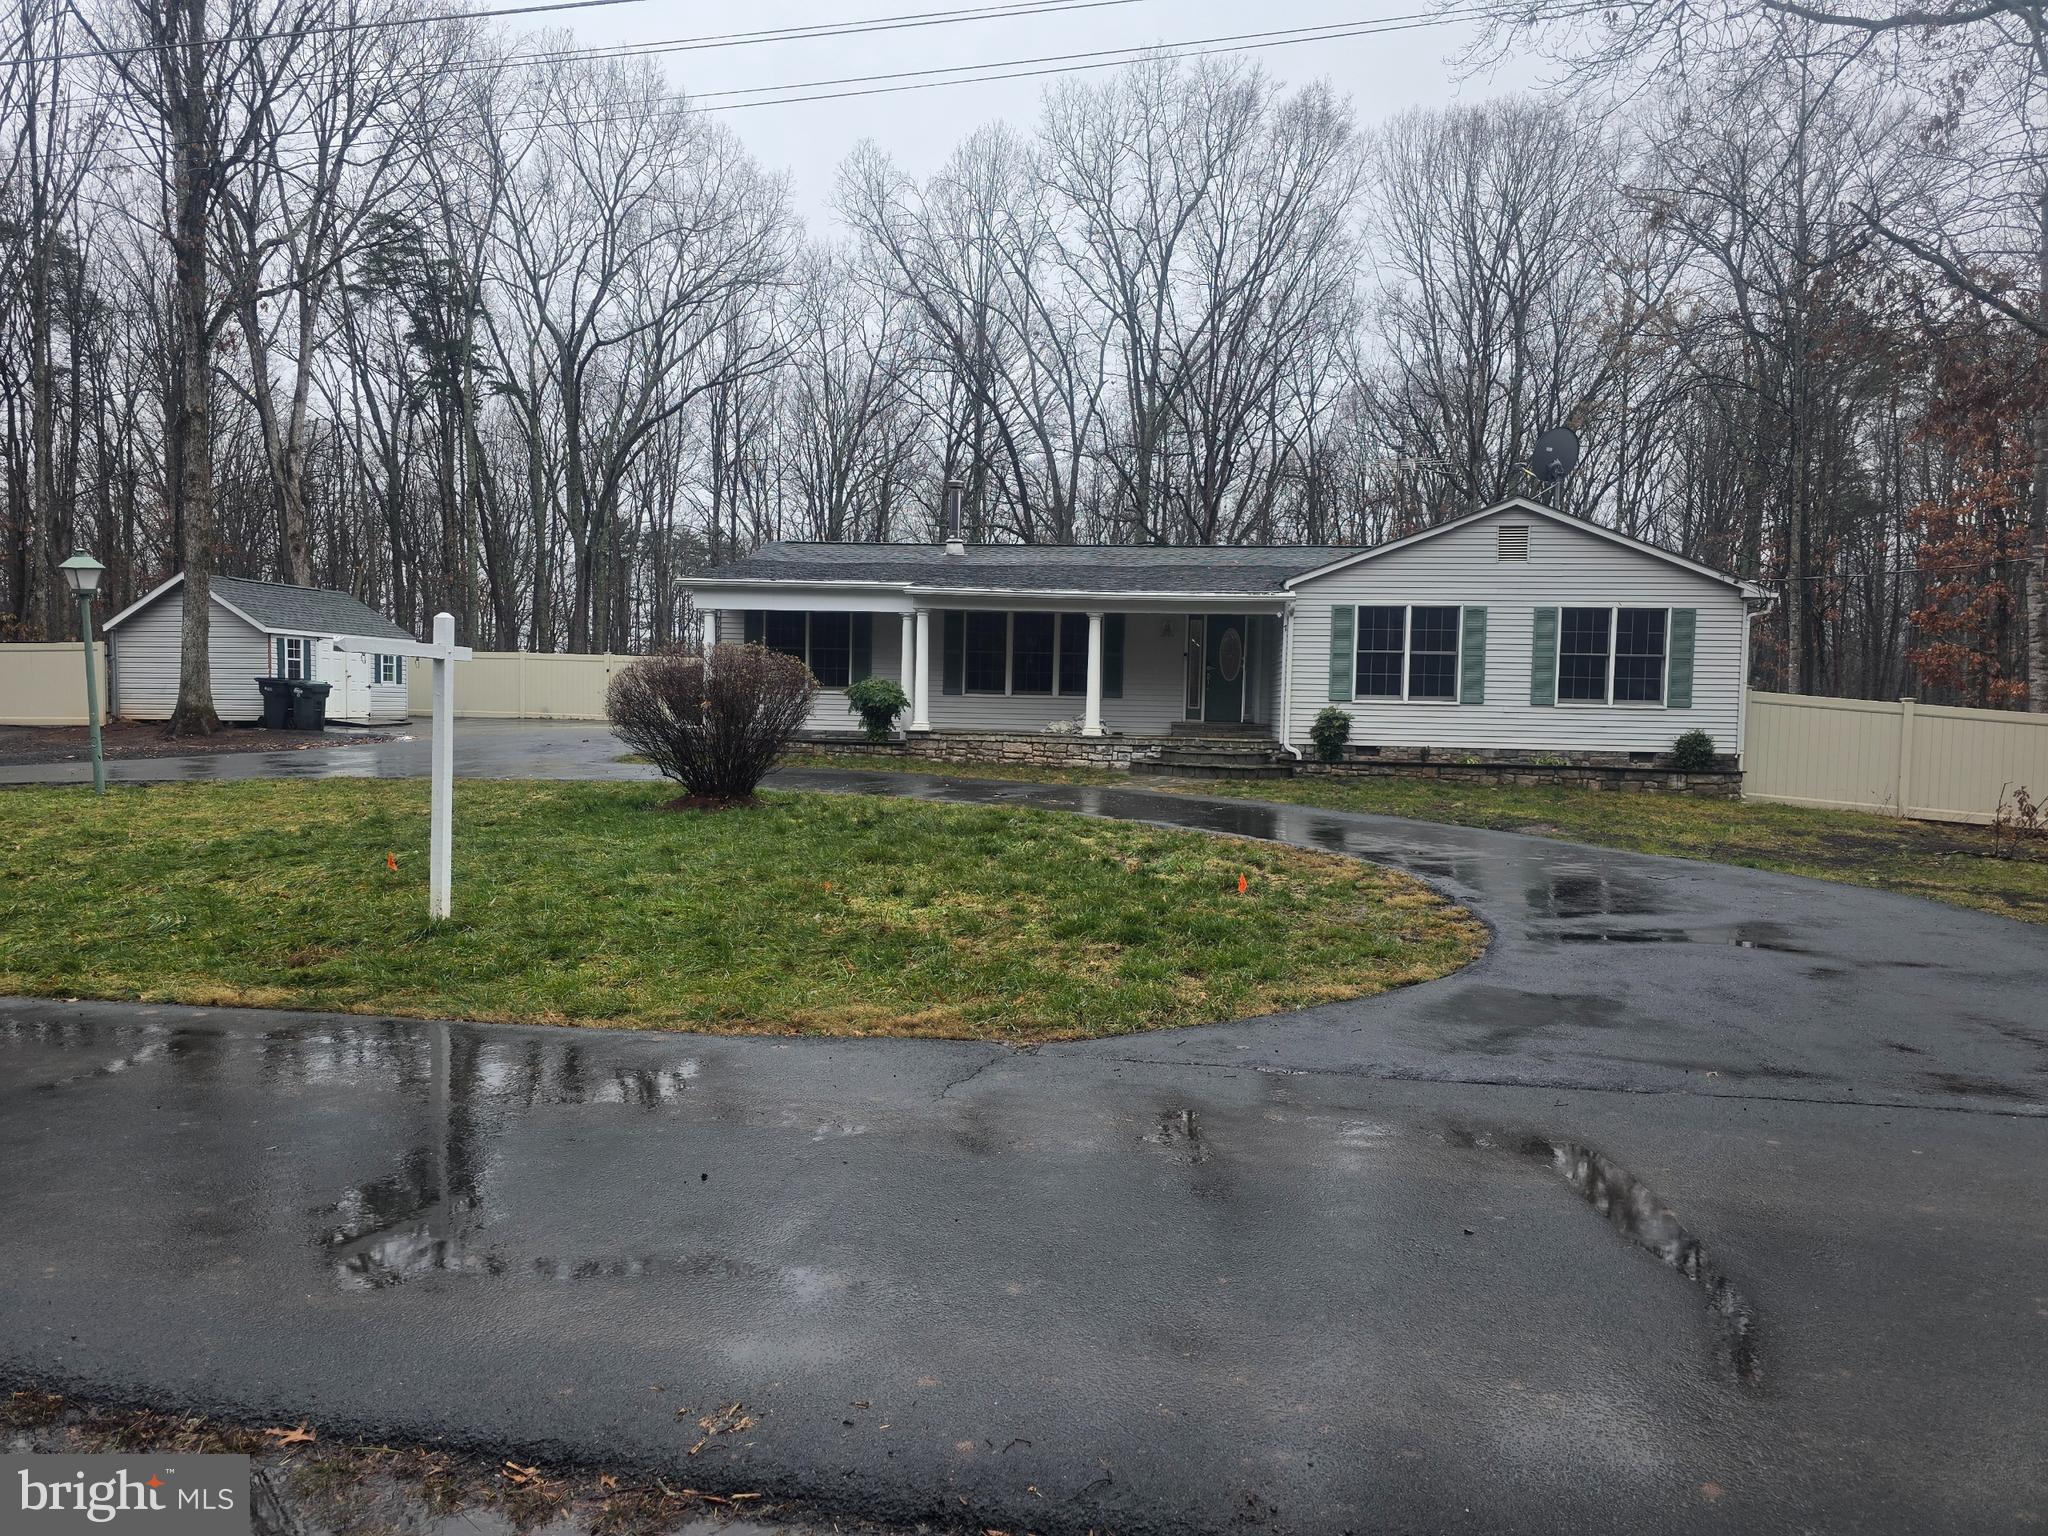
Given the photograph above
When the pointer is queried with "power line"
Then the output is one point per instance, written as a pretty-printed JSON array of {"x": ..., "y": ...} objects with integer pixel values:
[
  {"x": 372, "y": 25},
  {"x": 1039, "y": 66},
  {"x": 655, "y": 47}
]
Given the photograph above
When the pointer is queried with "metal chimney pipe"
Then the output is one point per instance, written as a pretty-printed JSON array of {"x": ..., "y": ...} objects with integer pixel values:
[{"x": 954, "y": 492}]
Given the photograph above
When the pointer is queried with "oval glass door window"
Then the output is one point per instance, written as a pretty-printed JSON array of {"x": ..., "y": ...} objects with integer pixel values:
[{"x": 1230, "y": 655}]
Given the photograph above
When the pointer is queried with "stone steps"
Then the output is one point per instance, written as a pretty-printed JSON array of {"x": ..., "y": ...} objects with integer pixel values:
[{"x": 1216, "y": 760}]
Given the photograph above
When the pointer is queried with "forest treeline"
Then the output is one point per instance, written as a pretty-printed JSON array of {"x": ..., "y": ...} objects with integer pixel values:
[{"x": 373, "y": 297}]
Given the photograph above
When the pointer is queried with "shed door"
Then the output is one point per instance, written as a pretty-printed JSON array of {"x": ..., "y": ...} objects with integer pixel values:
[{"x": 1223, "y": 681}]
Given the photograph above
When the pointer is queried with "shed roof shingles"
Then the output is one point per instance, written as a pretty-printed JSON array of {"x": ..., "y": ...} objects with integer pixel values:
[
  {"x": 1247, "y": 570},
  {"x": 305, "y": 610}
]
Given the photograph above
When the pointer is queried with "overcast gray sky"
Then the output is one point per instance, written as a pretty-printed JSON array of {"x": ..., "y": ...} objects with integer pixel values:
[{"x": 1382, "y": 74}]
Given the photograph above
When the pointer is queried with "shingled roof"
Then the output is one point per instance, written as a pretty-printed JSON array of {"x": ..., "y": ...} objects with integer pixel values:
[
  {"x": 1250, "y": 571},
  {"x": 274, "y": 606}
]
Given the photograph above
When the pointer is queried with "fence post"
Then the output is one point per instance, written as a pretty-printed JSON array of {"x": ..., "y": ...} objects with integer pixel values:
[
  {"x": 520, "y": 673},
  {"x": 1905, "y": 773}
]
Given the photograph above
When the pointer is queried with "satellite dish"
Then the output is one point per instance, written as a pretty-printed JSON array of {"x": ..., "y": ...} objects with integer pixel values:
[{"x": 1555, "y": 455}]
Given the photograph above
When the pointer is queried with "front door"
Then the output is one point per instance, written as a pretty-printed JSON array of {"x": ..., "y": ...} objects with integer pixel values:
[{"x": 1223, "y": 678}]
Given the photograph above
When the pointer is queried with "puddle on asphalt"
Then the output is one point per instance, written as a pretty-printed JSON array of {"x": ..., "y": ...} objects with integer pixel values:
[
  {"x": 1773, "y": 937},
  {"x": 1634, "y": 1210},
  {"x": 1595, "y": 893},
  {"x": 1179, "y": 1132}
]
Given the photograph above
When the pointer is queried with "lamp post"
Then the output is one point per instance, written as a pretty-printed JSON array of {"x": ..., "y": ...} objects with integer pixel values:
[{"x": 82, "y": 575}]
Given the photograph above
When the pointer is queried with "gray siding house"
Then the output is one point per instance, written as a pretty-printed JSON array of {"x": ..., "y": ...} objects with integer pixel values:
[
  {"x": 1515, "y": 630},
  {"x": 259, "y": 629}
]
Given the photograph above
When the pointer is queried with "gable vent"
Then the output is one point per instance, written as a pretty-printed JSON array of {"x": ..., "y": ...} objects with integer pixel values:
[{"x": 1513, "y": 541}]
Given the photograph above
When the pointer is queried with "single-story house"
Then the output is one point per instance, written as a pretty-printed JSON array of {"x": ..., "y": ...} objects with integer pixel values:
[
  {"x": 260, "y": 629},
  {"x": 1516, "y": 631}
]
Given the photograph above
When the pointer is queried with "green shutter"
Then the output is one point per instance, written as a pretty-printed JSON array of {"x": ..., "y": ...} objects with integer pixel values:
[
  {"x": 953, "y": 674},
  {"x": 752, "y": 624},
  {"x": 863, "y": 646},
  {"x": 1343, "y": 660},
  {"x": 1112, "y": 655},
  {"x": 277, "y": 656},
  {"x": 1472, "y": 665},
  {"x": 1685, "y": 623},
  {"x": 1543, "y": 659}
]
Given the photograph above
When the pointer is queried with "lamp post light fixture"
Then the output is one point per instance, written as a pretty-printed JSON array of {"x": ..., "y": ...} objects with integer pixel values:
[{"x": 82, "y": 575}]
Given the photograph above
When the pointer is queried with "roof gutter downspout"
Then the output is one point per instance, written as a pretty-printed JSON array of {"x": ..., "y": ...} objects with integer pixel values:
[{"x": 1287, "y": 682}]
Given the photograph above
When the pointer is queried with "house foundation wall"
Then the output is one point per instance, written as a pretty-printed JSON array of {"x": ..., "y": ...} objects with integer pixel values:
[{"x": 1046, "y": 749}]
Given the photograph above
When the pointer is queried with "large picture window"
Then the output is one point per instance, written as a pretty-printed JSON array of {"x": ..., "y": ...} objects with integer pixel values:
[
  {"x": 832, "y": 649},
  {"x": 1073, "y": 653},
  {"x": 825, "y": 641},
  {"x": 1612, "y": 655},
  {"x": 1408, "y": 652},
  {"x": 988, "y": 646},
  {"x": 1031, "y": 653}
]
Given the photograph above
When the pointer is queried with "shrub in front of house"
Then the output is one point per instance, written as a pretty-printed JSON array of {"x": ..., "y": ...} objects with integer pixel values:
[
  {"x": 1693, "y": 752},
  {"x": 1331, "y": 730},
  {"x": 714, "y": 723},
  {"x": 878, "y": 701}
]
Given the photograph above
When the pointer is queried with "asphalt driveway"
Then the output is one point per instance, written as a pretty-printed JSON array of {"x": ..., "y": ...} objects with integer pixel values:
[{"x": 1708, "y": 1199}]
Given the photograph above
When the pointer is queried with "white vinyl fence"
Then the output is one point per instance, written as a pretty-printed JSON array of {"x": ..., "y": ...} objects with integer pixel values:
[
  {"x": 45, "y": 684},
  {"x": 521, "y": 685},
  {"x": 1904, "y": 759}
]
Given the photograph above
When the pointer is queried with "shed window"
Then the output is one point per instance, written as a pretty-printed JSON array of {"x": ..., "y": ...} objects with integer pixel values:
[
  {"x": 391, "y": 670},
  {"x": 1408, "y": 652},
  {"x": 292, "y": 656},
  {"x": 1612, "y": 655}
]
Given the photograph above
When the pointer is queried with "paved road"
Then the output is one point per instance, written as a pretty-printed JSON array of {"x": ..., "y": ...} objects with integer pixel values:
[{"x": 1707, "y": 1200}]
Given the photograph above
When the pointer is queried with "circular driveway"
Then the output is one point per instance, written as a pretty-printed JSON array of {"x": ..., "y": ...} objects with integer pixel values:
[{"x": 1708, "y": 1199}]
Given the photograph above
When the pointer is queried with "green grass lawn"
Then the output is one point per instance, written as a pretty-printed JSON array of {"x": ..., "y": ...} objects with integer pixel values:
[
  {"x": 585, "y": 903},
  {"x": 1941, "y": 861}
]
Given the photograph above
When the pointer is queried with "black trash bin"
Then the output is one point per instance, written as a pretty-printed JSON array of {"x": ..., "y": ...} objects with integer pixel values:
[
  {"x": 277, "y": 702},
  {"x": 309, "y": 705}
]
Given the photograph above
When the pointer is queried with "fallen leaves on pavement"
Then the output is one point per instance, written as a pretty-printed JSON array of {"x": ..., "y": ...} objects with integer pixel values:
[{"x": 299, "y": 1435}]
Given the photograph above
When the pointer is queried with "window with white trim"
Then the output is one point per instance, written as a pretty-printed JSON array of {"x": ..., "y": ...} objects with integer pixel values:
[
  {"x": 292, "y": 656},
  {"x": 1026, "y": 652},
  {"x": 1408, "y": 651},
  {"x": 391, "y": 670},
  {"x": 1612, "y": 655},
  {"x": 822, "y": 641}
]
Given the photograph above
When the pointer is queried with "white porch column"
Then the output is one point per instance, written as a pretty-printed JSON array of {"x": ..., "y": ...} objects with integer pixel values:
[
  {"x": 1091, "y": 717},
  {"x": 907, "y": 657},
  {"x": 921, "y": 689}
]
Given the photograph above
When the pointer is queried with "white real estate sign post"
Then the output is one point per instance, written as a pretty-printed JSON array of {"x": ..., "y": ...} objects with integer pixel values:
[{"x": 443, "y": 652}]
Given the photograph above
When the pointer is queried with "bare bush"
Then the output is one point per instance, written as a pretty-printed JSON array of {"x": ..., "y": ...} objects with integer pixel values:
[{"x": 714, "y": 723}]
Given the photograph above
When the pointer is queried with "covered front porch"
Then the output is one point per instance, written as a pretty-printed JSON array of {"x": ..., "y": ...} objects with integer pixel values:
[{"x": 1144, "y": 675}]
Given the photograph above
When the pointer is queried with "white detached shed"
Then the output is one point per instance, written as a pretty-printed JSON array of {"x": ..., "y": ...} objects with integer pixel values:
[{"x": 260, "y": 629}]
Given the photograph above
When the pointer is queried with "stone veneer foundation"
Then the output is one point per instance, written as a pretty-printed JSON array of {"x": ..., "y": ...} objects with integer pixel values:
[{"x": 1598, "y": 771}]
